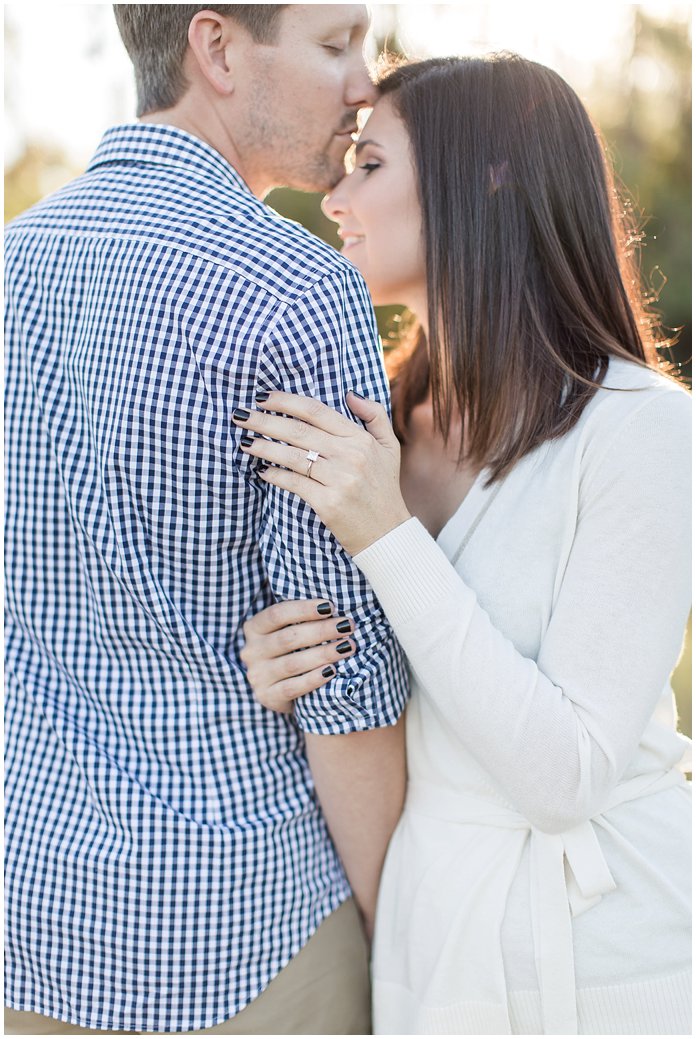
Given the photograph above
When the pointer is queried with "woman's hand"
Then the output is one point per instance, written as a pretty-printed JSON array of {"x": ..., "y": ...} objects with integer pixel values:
[
  {"x": 291, "y": 649},
  {"x": 353, "y": 484}
]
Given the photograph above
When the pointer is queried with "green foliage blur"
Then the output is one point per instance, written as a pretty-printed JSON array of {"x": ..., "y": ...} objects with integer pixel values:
[
  {"x": 647, "y": 123},
  {"x": 643, "y": 108}
]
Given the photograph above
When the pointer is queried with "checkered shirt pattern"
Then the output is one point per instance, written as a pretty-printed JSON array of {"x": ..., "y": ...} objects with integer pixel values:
[{"x": 166, "y": 855}]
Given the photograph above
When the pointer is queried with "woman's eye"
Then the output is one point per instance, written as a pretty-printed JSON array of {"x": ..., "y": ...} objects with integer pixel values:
[
  {"x": 333, "y": 48},
  {"x": 369, "y": 167}
]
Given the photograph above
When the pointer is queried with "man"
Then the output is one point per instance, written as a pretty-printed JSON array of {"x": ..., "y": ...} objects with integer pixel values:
[{"x": 166, "y": 855}]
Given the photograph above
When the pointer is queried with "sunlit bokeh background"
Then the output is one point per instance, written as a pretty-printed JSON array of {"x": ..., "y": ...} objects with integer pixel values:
[{"x": 67, "y": 78}]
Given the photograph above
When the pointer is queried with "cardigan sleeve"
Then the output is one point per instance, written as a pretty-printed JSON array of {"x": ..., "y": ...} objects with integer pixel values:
[{"x": 557, "y": 733}]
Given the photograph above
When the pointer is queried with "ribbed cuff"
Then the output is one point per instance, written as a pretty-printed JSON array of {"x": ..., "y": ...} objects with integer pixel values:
[{"x": 409, "y": 572}]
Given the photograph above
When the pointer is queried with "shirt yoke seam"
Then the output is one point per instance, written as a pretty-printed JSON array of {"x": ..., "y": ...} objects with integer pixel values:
[{"x": 247, "y": 276}]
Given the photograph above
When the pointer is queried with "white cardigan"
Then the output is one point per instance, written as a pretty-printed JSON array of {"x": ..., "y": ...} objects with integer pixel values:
[{"x": 541, "y": 630}]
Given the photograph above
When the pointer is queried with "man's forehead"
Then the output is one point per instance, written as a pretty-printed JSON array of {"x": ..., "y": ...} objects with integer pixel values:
[{"x": 330, "y": 17}]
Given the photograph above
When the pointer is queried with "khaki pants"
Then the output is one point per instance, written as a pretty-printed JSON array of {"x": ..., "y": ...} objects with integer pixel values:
[{"x": 325, "y": 989}]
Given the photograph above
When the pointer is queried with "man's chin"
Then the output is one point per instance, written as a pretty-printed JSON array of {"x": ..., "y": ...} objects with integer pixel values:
[
  {"x": 336, "y": 178},
  {"x": 322, "y": 175}
]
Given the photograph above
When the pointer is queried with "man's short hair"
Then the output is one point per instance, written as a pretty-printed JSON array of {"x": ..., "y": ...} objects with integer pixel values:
[{"x": 156, "y": 38}]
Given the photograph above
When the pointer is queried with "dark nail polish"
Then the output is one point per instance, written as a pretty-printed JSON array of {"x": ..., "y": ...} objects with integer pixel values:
[
  {"x": 328, "y": 672},
  {"x": 240, "y": 415},
  {"x": 246, "y": 441},
  {"x": 325, "y": 609},
  {"x": 343, "y": 647},
  {"x": 262, "y": 397},
  {"x": 262, "y": 469},
  {"x": 343, "y": 626},
  {"x": 358, "y": 395}
]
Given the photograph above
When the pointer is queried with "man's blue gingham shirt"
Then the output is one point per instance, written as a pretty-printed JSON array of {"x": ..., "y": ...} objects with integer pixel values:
[{"x": 166, "y": 856}]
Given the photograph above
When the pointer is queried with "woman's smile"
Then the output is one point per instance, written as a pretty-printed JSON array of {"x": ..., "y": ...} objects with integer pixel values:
[{"x": 350, "y": 239}]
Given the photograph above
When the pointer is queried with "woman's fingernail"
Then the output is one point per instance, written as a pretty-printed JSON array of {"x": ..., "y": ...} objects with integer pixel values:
[
  {"x": 325, "y": 609},
  {"x": 343, "y": 626},
  {"x": 240, "y": 415},
  {"x": 329, "y": 672},
  {"x": 246, "y": 441},
  {"x": 262, "y": 397},
  {"x": 358, "y": 395},
  {"x": 262, "y": 469},
  {"x": 343, "y": 647}
]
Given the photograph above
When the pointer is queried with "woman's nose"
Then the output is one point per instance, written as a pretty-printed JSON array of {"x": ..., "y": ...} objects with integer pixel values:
[{"x": 334, "y": 204}]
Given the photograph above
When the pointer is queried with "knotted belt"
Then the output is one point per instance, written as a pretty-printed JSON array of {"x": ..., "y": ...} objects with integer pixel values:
[{"x": 557, "y": 893}]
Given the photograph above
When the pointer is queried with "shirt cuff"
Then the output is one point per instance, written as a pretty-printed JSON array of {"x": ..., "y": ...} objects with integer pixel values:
[
  {"x": 370, "y": 690},
  {"x": 409, "y": 572}
]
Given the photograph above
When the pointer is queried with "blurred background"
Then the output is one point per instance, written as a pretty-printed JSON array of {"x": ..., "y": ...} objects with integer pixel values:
[{"x": 67, "y": 78}]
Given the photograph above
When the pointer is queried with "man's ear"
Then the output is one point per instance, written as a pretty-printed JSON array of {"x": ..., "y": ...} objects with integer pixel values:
[{"x": 211, "y": 38}]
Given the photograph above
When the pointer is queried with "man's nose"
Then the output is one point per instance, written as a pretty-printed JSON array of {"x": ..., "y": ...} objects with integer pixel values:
[{"x": 360, "y": 90}]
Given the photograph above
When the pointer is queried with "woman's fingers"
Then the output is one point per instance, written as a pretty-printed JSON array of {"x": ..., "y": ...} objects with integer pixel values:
[
  {"x": 293, "y": 648},
  {"x": 289, "y": 457},
  {"x": 280, "y": 681},
  {"x": 304, "y": 486},
  {"x": 294, "y": 665},
  {"x": 291, "y": 611},
  {"x": 281, "y": 696},
  {"x": 305, "y": 423},
  {"x": 306, "y": 636},
  {"x": 287, "y": 430},
  {"x": 374, "y": 415},
  {"x": 309, "y": 410}
]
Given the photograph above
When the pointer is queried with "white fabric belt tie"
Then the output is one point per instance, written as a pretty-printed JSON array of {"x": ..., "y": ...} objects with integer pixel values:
[{"x": 568, "y": 874}]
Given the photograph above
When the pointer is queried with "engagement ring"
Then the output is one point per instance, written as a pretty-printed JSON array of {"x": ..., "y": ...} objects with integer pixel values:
[{"x": 311, "y": 458}]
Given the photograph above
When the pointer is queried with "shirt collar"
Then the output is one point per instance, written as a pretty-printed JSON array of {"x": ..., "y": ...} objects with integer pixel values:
[{"x": 160, "y": 145}]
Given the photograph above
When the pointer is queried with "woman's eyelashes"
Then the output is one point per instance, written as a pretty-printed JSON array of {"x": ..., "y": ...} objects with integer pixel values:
[{"x": 369, "y": 167}]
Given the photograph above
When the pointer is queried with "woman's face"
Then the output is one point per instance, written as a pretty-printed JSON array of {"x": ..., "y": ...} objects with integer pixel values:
[{"x": 378, "y": 213}]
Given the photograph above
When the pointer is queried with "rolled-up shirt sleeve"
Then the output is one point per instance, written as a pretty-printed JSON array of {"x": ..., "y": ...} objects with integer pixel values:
[{"x": 323, "y": 345}]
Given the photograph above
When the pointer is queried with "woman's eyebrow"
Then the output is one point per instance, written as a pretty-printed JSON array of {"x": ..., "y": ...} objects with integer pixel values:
[{"x": 363, "y": 144}]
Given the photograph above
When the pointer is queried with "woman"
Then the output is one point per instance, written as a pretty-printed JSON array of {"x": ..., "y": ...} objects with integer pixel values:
[{"x": 531, "y": 561}]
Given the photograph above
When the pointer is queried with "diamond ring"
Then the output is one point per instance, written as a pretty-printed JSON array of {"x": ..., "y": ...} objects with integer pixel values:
[{"x": 311, "y": 459}]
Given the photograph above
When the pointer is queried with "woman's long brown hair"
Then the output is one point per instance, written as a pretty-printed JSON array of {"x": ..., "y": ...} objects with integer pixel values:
[{"x": 532, "y": 278}]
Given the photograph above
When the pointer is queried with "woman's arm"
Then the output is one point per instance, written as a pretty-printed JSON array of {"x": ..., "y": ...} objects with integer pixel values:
[
  {"x": 360, "y": 778},
  {"x": 557, "y": 732}
]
